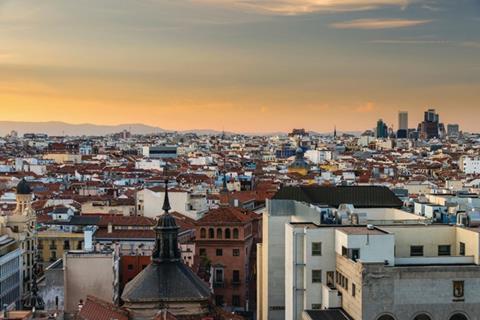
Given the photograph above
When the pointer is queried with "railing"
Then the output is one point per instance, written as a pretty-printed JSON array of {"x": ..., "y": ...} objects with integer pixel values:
[{"x": 434, "y": 260}]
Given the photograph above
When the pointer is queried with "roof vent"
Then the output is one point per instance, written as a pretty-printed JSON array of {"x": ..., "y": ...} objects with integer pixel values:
[{"x": 370, "y": 227}]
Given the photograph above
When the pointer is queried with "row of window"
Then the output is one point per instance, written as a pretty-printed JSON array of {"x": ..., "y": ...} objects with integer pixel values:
[
  {"x": 66, "y": 245},
  {"x": 423, "y": 316},
  {"x": 220, "y": 301},
  {"x": 220, "y": 276},
  {"x": 211, "y": 233},
  {"x": 219, "y": 252},
  {"x": 443, "y": 250},
  {"x": 342, "y": 281}
]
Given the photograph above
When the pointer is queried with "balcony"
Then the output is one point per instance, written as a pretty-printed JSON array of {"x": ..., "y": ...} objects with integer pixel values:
[
  {"x": 53, "y": 247},
  {"x": 236, "y": 283}
]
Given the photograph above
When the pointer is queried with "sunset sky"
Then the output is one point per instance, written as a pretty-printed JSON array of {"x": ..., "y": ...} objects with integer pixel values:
[{"x": 240, "y": 65}]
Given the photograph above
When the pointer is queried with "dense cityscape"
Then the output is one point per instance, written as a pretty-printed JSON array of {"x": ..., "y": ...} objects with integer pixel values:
[{"x": 382, "y": 225}]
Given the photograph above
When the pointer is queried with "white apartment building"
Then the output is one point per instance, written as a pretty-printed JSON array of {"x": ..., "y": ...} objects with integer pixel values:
[
  {"x": 469, "y": 165},
  {"x": 149, "y": 203},
  {"x": 395, "y": 272},
  {"x": 381, "y": 208},
  {"x": 319, "y": 156}
]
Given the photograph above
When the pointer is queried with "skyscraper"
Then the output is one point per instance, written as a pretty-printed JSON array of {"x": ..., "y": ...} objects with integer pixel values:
[
  {"x": 453, "y": 130},
  {"x": 430, "y": 127},
  {"x": 402, "y": 131},
  {"x": 382, "y": 129},
  {"x": 403, "y": 120}
]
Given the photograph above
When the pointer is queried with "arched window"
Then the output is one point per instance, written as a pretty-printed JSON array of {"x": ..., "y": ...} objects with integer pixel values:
[
  {"x": 219, "y": 233},
  {"x": 235, "y": 233},
  {"x": 203, "y": 233},
  {"x": 386, "y": 317},
  {"x": 422, "y": 316},
  {"x": 458, "y": 316},
  {"x": 211, "y": 233},
  {"x": 227, "y": 233}
]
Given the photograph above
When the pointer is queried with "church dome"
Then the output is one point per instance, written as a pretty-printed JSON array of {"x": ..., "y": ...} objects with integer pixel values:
[
  {"x": 167, "y": 220},
  {"x": 23, "y": 187}
]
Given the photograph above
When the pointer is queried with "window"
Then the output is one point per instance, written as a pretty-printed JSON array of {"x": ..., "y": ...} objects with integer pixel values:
[
  {"x": 219, "y": 275},
  {"x": 422, "y": 316},
  {"x": 386, "y": 317},
  {"x": 236, "y": 276},
  {"x": 211, "y": 233},
  {"x": 235, "y": 233},
  {"x": 354, "y": 254},
  {"x": 330, "y": 278},
  {"x": 316, "y": 306},
  {"x": 462, "y": 249},
  {"x": 344, "y": 251},
  {"x": 316, "y": 276},
  {"x": 130, "y": 267},
  {"x": 227, "y": 233},
  {"x": 236, "y": 301},
  {"x": 444, "y": 250},
  {"x": 203, "y": 233},
  {"x": 219, "y": 252},
  {"x": 219, "y": 233},
  {"x": 203, "y": 252},
  {"x": 316, "y": 248},
  {"x": 416, "y": 251},
  {"x": 236, "y": 252},
  {"x": 66, "y": 245},
  {"x": 354, "y": 289},
  {"x": 219, "y": 300},
  {"x": 458, "y": 316}
]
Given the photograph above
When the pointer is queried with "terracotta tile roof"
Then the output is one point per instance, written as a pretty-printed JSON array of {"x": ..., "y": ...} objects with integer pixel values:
[
  {"x": 226, "y": 215},
  {"x": 125, "y": 234},
  {"x": 125, "y": 221},
  {"x": 96, "y": 309}
]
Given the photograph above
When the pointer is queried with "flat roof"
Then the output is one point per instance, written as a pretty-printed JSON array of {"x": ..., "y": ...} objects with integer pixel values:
[{"x": 362, "y": 231}]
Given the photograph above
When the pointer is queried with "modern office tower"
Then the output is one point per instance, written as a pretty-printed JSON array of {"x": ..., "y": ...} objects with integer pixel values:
[
  {"x": 430, "y": 127},
  {"x": 382, "y": 129},
  {"x": 403, "y": 120},
  {"x": 453, "y": 130}
]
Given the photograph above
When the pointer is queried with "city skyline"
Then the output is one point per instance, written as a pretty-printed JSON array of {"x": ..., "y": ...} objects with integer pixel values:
[{"x": 232, "y": 64}]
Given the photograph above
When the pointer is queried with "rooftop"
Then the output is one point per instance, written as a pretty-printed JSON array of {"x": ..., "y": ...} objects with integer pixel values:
[{"x": 359, "y": 196}]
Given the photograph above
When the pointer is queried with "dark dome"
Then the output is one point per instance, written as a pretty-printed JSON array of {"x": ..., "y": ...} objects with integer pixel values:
[
  {"x": 23, "y": 187},
  {"x": 166, "y": 220}
]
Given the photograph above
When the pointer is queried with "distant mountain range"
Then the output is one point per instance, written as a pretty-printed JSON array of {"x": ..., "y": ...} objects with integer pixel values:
[{"x": 57, "y": 128}]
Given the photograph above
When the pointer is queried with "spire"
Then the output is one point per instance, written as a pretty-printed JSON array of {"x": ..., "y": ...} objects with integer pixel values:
[
  {"x": 335, "y": 132},
  {"x": 166, "y": 242},
  {"x": 224, "y": 188},
  {"x": 166, "y": 201}
]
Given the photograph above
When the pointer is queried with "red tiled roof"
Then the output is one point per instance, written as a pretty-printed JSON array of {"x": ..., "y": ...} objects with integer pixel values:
[
  {"x": 96, "y": 309},
  {"x": 125, "y": 234},
  {"x": 226, "y": 215},
  {"x": 125, "y": 221}
]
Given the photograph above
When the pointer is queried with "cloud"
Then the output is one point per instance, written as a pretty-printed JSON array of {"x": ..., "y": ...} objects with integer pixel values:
[
  {"x": 296, "y": 7},
  {"x": 366, "y": 108},
  {"x": 471, "y": 44},
  {"x": 374, "y": 24},
  {"x": 407, "y": 41}
]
